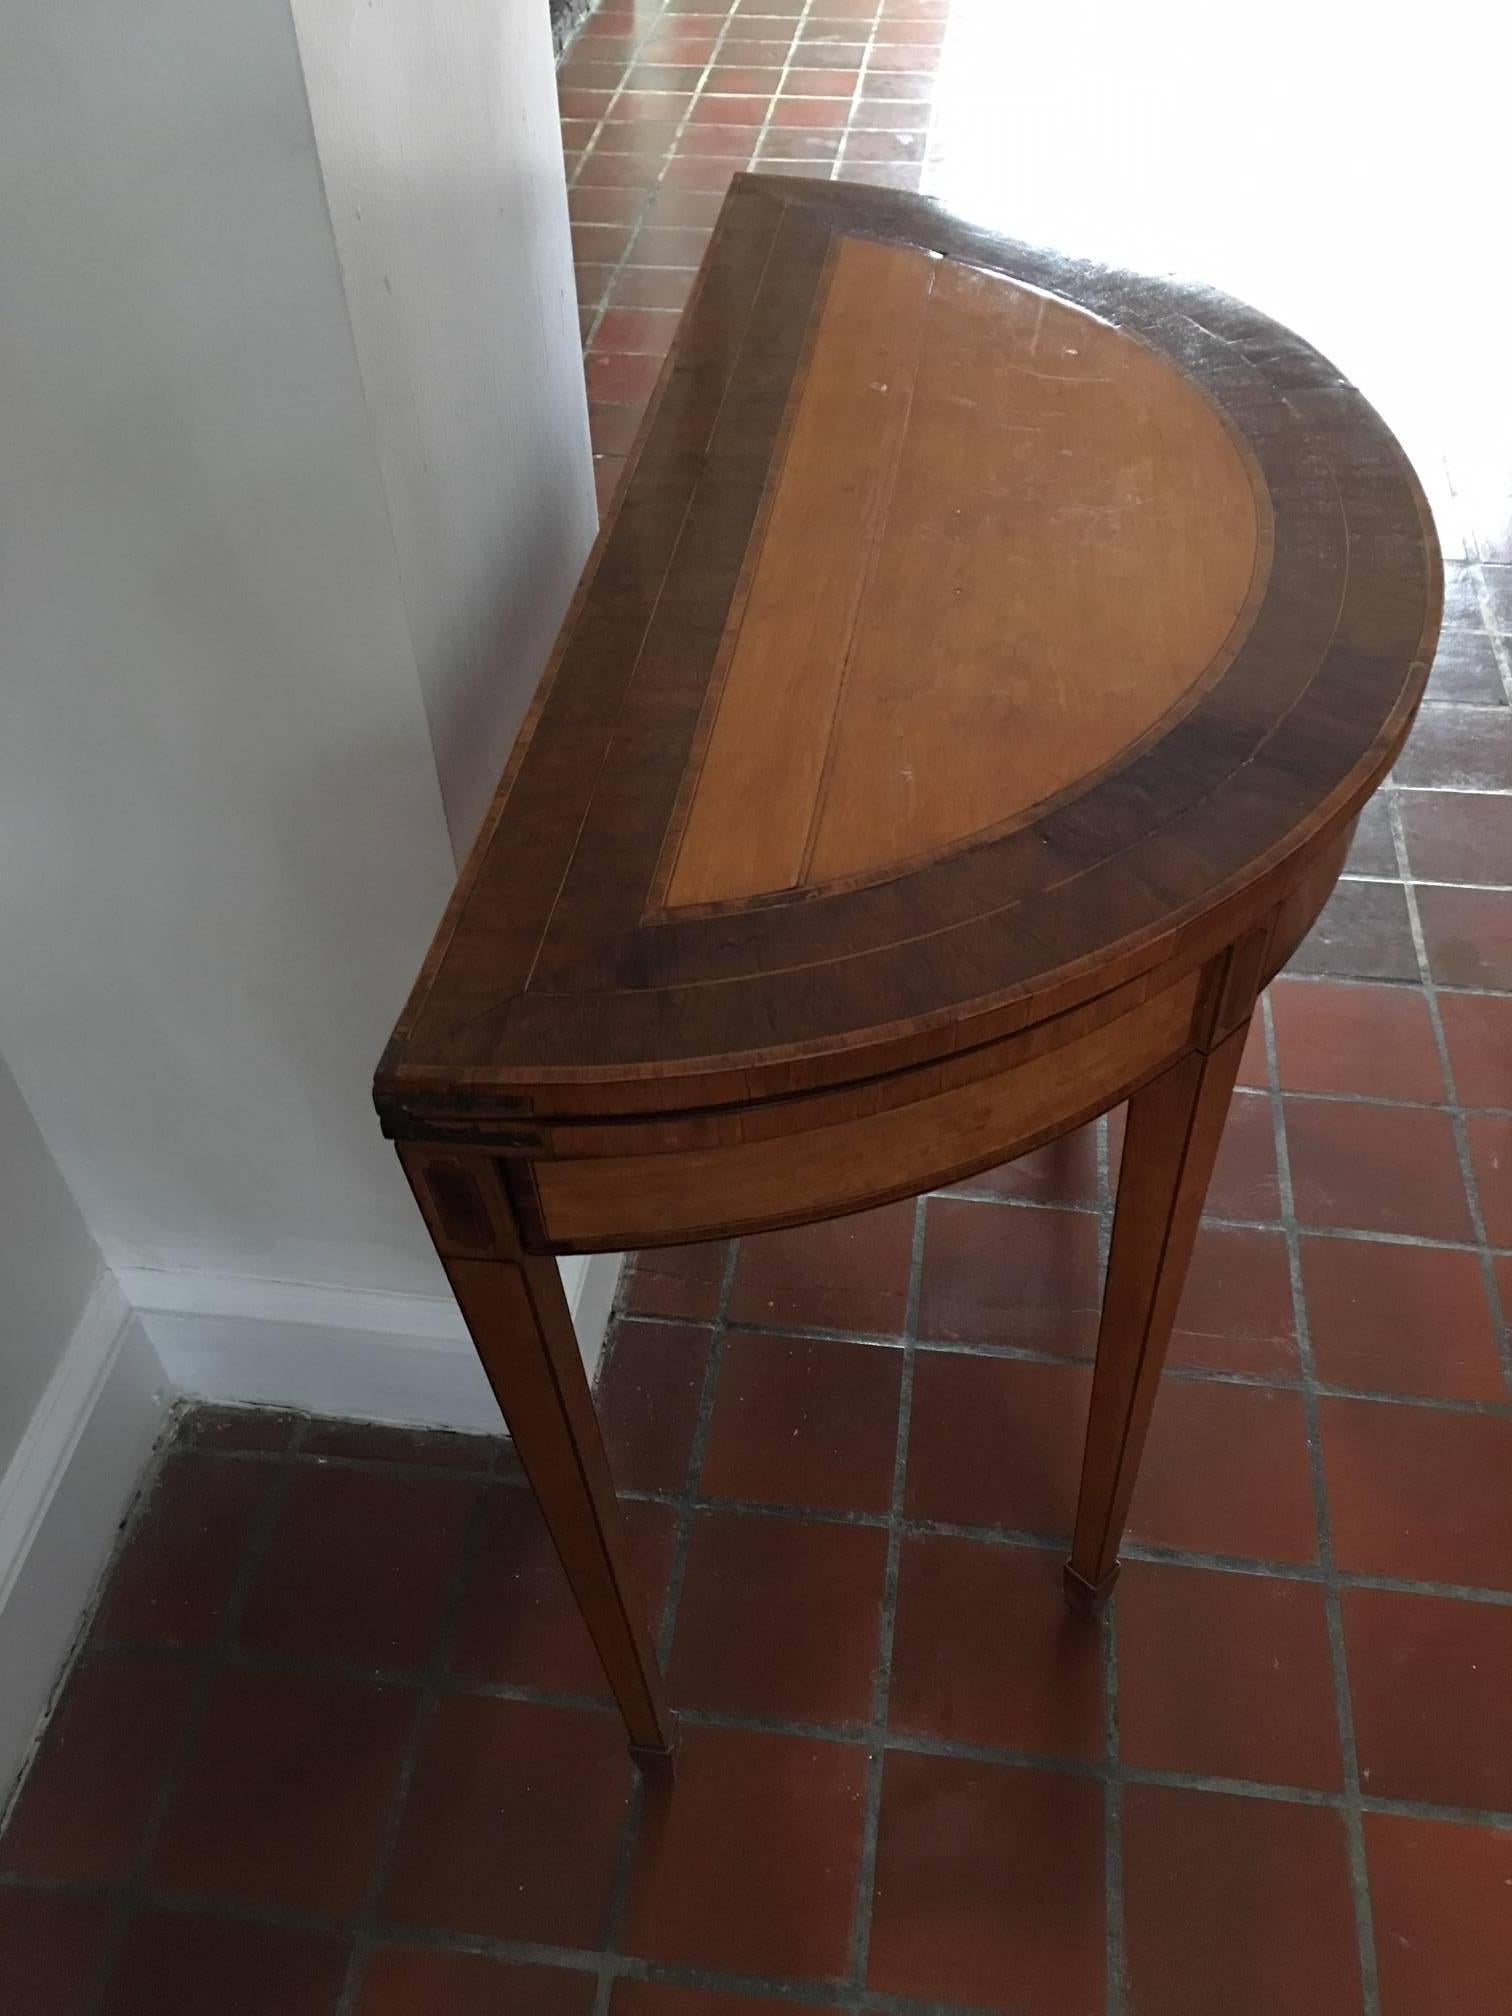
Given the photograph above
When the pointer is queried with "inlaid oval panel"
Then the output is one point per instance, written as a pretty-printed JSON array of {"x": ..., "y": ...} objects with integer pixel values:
[{"x": 1001, "y": 542}]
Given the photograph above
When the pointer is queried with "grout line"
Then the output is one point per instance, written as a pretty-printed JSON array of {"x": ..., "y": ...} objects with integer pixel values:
[
  {"x": 668, "y": 154},
  {"x": 1337, "y": 1652},
  {"x": 866, "y": 1873},
  {"x": 1457, "y": 1118},
  {"x": 434, "y": 1685},
  {"x": 210, "y": 1660},
  {"x": 842, "y": 148},
  {"x": 1201, "y": 1375},
  {"x": 619, "y": 1894}
]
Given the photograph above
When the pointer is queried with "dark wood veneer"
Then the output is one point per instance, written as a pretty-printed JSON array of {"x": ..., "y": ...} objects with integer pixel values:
[{"x": 764, "y": 925}]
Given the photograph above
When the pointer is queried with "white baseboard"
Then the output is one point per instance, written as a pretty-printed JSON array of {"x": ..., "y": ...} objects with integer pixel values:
[
  {"x": 62, "y": 1499},
  {"x": 366, "y": 1354}
]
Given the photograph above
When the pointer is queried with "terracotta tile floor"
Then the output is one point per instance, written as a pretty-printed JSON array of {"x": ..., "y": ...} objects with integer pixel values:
[{"x": 337, "y": 1745}]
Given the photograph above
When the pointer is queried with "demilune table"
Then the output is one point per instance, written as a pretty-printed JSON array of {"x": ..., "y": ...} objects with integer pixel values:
[{"x": 965, "y": 711}]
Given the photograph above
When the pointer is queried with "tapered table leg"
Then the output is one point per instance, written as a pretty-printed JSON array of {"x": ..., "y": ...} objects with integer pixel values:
[
  {"x": 517, "y": 1315},
  {"x": 1174, "y": 1126}
]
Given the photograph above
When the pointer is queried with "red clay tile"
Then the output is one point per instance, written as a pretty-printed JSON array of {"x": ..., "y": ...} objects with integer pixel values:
[
  {"x": 1457, "y": 836},
  {"x": 358, "y": 1567},
  {"x": 815, "y": 170},
  {"x": 51, "y": 1948},
  {"x": 605, "y": 169},
  {"x": 890, "y": 115},
  {"x": 885, "y": 174},
  {"x": 419, "y": 1981},
  {"x": 1490, "y": 1138},
  {"x": 513, "y": 1822},
  {"x": 745, "y": 79},
  {"x": 1338, "y": 1037},
  {"x": 729, "y": 108},
  {"x": 643, "y": 137},
  {"x": 985, "y": 1651},
  {"x": 808, "y": 81},
  {"x": 648, "y": 1400},
  {"x": 1001, "y": 1274},
  {"x": 1236, "y": 1311},
  {"x": 616, "y": 379},
  {"x": 989, "y": 1887},
  {"x": 88, "y": 1797},
  {"x": 1418, "y": 1492},
  {"x": 645, "y": 1998},
  {"x": 701, "y": 171},
  {"x": 755, "y": 44},
  {"x": 848, "y": 1273},
  {"x": 780, "y": 150},
  {"x": 173, "y": 1581},
  {"x": 996, "y": 1442},
  {"x": 518, "y": 1624},
  {"x": 1373, "y": 848},
  {"x": 1225, "y": 1472},
  {"x": 576, "y": 102},
  {"x": 1468, "y": 936},
  {"x": 731, "y": 144},
  {"x": 724, "y": 146},
  {"x": 606, "y": 205},
  {"x": 779, "y": 1617},
  {"x": 748, "y": 1863},
  {"x": 1363, "y": 934},
  {"x": 905, "y": 57},
  {"x": 678, "y": 1281},
  {"x": 1063, "y": 1173},
  {"x": 884, "y": 147},
  {"x": 810, "y": 112},
  {"x": 804, "y": 1421},
  {"x": 601, "y": 244},
  {"x": 651, "y": 105},
  {"x": 1239, "y": 1905},
  {"x": 267, "y": 1430},
  {"x": 172, "y": 1964},
  {"x": 1438, "y": 1898},
  {"x": 1432, "y": 1707},
  {"x": 582, "y": 71},
  {"x": 613, "y": 429},
  {"x": 1376, "y": 1169},
  {"x": 1458, "y": 749},
  {"x": 1478, "y": 1030},
  {"x": 1400, "y": 1319},
  {"x": 286, "y": 1791},
  {"x": 652, "y": 287},
  {"x": 1225, "y": 1676},
  {"x": 608, "y": 474},
  {"x": 669, "y": 245}
]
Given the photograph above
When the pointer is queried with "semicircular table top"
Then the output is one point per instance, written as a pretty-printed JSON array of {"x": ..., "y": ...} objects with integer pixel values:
[{"x": 974, "y": 627}]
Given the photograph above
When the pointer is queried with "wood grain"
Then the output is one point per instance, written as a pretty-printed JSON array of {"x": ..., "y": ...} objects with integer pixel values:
[
  {"x": 965, "y": 711},
  {"x": 967, "y": 770},
  {"x": 753, "y": 810}
]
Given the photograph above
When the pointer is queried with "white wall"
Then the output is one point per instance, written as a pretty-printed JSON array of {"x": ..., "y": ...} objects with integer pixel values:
[
  {"x": 245, "y": 573},
  {"x": 49, "y": 1266},
  {"x": 81, "y": 1398},
  {"x": 218, "y": 809},
  {"x": 438, "y": 138}
]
